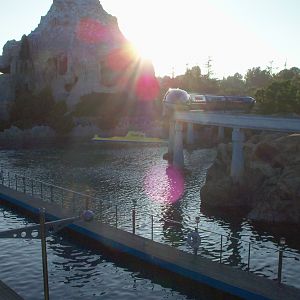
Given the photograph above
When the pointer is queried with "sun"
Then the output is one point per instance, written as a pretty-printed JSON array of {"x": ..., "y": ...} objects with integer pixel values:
[{"x": 144, "y": 50}]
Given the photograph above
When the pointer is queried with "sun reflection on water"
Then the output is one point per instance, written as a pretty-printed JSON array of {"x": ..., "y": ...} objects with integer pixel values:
[{"x": 164, "y": 184}]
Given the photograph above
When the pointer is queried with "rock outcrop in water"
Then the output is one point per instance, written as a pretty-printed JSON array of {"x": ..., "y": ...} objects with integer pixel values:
[
  {"x": 77, "y": 49},
  {"x": 271, "y": 188}
]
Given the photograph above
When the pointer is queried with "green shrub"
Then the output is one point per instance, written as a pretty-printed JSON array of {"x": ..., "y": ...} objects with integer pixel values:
[{"x": 29, "y": 110}]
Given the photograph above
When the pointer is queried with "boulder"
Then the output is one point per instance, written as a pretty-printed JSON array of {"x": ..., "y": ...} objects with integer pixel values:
[{"x": 270, "y": 190}]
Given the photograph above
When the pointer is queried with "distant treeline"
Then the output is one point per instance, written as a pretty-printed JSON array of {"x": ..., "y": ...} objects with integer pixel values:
[{"x": 274, "y": 93}]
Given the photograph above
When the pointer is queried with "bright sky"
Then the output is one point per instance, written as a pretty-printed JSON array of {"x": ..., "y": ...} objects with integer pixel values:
[{"x": 174, "y": 34}]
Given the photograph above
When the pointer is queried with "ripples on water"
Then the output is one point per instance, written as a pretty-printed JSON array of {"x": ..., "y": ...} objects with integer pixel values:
[
  {"x": 74, "y": 272},
  {"x": 121, "y": 174}
]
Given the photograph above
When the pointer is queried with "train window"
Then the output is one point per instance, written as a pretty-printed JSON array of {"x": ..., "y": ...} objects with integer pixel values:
[
  {"x": 199, "y": 98},
  {"x": 215, "y": 98}
]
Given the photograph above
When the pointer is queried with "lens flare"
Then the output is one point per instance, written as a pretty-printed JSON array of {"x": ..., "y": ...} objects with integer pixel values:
[
  {"x": 165, "y": 185},
  {"x": 121, "y": 58},
  {"x": 92, "y": 32},
  {"x": 147, "y": 87}
]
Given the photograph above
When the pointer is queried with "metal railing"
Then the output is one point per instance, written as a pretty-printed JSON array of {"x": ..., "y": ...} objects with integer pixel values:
[{"x": 77, "y": 202}]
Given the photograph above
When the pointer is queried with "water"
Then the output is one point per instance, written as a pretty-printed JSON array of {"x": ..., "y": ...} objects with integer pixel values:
[
  {"x": 123, "y": 174},
  {"x": 75, "y": 272}
]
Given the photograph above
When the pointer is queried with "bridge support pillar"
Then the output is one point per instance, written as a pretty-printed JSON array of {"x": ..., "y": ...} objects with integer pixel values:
[
  {"x": 221, "y": 134},
  {"x": 178, "y": 159},
  {"x": 190, "y": 134},
  {"x": 237, "y": 160},
  {"x": 171, "y": 141}
]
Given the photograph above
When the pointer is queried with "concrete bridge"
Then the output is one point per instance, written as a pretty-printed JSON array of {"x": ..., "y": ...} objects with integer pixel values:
[{"x": 237, "y": 122}]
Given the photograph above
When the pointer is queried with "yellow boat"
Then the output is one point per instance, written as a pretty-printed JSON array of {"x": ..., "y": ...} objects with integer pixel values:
[{"x": 132, "y": 136}]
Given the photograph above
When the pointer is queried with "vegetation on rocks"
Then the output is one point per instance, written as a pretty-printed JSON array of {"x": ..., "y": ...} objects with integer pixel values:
[{"x": 29, "y": 110}]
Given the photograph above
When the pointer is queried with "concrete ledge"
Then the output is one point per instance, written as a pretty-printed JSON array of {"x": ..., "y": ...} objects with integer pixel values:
[
  {"x": 6, "y": 293},
  {"x": 196, "y": 268},
  {"x": 258, "y": 122}
]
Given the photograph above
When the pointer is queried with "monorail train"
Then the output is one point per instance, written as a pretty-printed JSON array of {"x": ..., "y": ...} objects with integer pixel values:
[
  {"x": 213, "y": 102},
  {"x": 177, "y": 99}
]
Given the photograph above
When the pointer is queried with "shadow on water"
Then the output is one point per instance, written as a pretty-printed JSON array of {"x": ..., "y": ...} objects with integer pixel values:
[
  {"x": 236, "y": 217},
  {"x": 77, "y": 262},
  {"x": 172, "y": 227},
  {"x": 64, "y": 247}
]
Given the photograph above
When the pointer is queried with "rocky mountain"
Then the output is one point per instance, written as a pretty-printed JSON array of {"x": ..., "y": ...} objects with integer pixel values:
[{"x": 77, "y": 49}]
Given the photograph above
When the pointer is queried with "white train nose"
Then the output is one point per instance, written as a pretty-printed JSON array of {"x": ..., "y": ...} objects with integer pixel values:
[{"x": 175, "y": 99}]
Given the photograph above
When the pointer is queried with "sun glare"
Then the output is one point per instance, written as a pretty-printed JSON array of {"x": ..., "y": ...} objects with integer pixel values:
[
  {"x": 160, "y": 31},
  {"x": 174, "y": 34},
  {"x": 143, "y": 50}
]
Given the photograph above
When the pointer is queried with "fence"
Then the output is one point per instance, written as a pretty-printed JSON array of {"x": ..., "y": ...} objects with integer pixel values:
[{"x": 78, "y": 202}]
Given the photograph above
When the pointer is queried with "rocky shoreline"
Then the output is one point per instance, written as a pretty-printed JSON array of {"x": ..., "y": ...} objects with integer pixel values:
[{"x": 270, "y": 189}]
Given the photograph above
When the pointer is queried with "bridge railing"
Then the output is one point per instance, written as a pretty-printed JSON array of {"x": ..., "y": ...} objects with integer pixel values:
[{"x": 135, "y": 220}]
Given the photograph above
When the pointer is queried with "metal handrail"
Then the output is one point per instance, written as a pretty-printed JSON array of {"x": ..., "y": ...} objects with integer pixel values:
[
  {"x": 155, "y": 216},
  {"x": 115, "y": 212},
  {"x": 224, "y": 235}
]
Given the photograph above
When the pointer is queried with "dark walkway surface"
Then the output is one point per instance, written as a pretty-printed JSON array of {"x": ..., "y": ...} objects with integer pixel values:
[
  {"x": 7, "y": 293},
  {"x": 233, "y": 281}
]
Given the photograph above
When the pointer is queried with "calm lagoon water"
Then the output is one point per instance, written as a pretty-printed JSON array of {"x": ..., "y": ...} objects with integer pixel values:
[{"x": 120, "y": 175}]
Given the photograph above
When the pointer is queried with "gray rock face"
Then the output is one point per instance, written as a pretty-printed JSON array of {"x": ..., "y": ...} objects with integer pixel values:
[
  {"x": 7, "y": 94},
  {"x": 271, "y": 187},
  {"x": 16, "y": 134},
  {"x": 67, "y": 52}
]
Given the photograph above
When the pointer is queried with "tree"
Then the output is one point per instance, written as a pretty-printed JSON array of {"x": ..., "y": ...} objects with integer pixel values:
[
  {"x": 209, "y": 68},
  {"x": 59, "y": 119},
  {"x": 280, "y": 97},
  {"x": 190, "y": 81},
  {"x": 29, "y": 110},
  {"x": 106, "y": 107},
  {"x": 233, "y": 85},
  {"x": 292, "y": 73},
  {"x": 256, "y": 79}
]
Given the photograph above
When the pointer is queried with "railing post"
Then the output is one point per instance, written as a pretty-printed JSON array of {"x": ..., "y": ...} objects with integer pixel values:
[
  {"x": 73, "y": 202},
  {"x": 101, "y": 209},
  {"x": 133, "y": 216},
  {"x": 280, "y": 258},
  {"x": 24, "y": 185},
  {"x": 152, "y": 227},
  {"x": 51, "y": 193},
  {"x": 16, "y": 177},
  {"x": 8, "y": 179},
  {"x": 62, "y": 198},
  {"x": 116, "y": 216},
  {"x": 41, "y": 191},
  {"x": 32, "y": 187},
  {"x": 197, "y": 222},
  {"x": 86, "y": 203},
  {"x": 221, "y": 249},
  {"x": 44, "y": 253},
  {"x": 133, "y": 220},
  {"x": 249, "y": 249}
]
